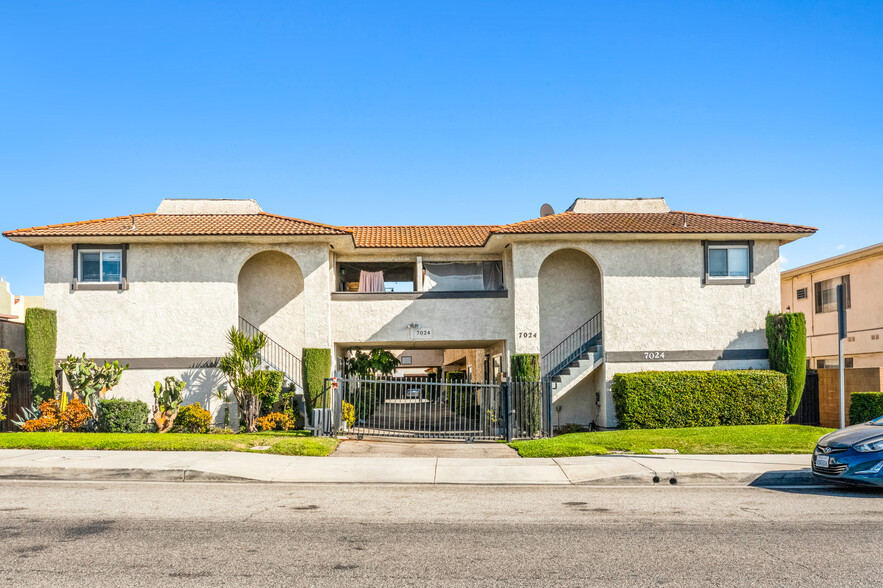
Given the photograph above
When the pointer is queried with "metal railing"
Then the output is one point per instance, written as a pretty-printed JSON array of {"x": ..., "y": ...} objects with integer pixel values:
[
  {"x": 275, "y": 356},
  {"x": 574, "y": 345}
]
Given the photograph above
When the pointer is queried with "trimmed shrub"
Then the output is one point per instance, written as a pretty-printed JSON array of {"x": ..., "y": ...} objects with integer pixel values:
[
  {"x": 40, "y": 338},
  {"x": 664, "y": 400},
  {"x": 786, "y": 338},
  {"x": 865, "y": 406},
  {"x": 275, "y": 421},
  {"x": 192, "y": 418},
  {"x": 74, "y": 417},
  {"x": 317, "y": 367},
  {"x": 528, "y": 391},
  {"x": 116, "y": 415},
  {"x": 274, "y": 390}
]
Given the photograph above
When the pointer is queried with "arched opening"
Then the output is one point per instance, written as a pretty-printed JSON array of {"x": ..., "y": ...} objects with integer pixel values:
[
  {"x": 271, "y": 297},
  {"x": 570, "y": 294}
]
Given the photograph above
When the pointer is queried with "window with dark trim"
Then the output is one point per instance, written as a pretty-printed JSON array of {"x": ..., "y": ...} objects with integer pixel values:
[
  {"x": 728, "y": 262},
  {"x": 100, "y": 267},
  {"x": 826, "y": 294}
]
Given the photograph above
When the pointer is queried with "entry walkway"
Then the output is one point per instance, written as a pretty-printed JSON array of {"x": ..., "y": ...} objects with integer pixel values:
[
  {"x": 392, "y": 447},
  {"x": 184, "y": 466}
]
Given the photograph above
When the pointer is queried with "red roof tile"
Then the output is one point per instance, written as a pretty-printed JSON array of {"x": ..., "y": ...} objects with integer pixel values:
[
  {"x": 421, "y": 236},
  {"x": 153, "y": 224},
  {"x": 647, "y": 222}
]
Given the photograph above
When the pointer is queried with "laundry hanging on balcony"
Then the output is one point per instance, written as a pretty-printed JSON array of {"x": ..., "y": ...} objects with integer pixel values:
[{"x": 370, "y": 281}]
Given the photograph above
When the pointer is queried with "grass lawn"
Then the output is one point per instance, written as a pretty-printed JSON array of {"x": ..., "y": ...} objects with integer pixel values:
[
  {"x": 709, "y": 440},
  {"x": 281, "y": 443}
]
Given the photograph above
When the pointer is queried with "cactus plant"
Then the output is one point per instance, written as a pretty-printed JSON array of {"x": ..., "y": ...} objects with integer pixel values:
[
  {"x": 167, "y": 398},
  {"x": 88, "y": 381}
]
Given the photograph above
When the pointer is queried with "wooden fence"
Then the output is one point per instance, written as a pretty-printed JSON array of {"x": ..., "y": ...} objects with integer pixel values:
[{"x": 20, "y": 394}]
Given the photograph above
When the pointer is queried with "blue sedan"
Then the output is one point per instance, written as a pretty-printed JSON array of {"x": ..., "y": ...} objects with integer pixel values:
[{"x": 853, "y": 455}]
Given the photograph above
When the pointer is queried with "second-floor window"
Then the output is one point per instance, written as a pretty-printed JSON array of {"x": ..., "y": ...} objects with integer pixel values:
[
  {"x": 826, "y": 294},
  {"x": 728, "y": 261},
  {"x": 100, "y": 265}
]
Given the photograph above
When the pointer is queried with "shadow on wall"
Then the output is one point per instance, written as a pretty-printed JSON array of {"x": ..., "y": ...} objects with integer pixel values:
[
  {"x": 749, "y": 348},
  {"x": 203, "y": 380}
]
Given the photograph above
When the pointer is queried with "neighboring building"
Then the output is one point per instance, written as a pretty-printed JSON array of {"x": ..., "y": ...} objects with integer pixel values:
[
  {"x": 13, "y": 307},
  {"x": 646, "y": 287},
  {"x": 812, "y": 290}
]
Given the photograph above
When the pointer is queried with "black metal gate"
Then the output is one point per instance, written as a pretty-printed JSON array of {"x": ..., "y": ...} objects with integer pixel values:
[
  {"x": 808, "y": 411},
  {"x": 402, "y": 407}
]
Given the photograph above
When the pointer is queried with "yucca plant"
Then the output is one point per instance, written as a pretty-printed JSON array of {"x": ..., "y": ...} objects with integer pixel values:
[{"x": 242, "y": 368}]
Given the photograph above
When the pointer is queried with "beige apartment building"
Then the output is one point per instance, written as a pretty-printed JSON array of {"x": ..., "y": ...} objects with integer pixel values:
[
  {"x": 607, "y": 286},
  {"x": 812, "y": 290}
]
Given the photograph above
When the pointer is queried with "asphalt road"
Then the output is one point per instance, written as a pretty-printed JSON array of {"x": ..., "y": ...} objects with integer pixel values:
[{"x": 169, "y": 534}]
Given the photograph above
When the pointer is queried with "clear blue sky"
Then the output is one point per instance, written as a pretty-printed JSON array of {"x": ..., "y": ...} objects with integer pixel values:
[{"x": 443, "y": 112}]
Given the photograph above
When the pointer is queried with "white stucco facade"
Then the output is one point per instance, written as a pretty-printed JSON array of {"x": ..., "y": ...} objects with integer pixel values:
[{"x": 183, "y": 294}]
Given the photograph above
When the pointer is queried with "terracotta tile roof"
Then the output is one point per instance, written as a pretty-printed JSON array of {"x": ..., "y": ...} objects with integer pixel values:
[
  {"x": 153, "y": 224},
  {"x": 422, "y": 236},
  {"x": 647, "y": 222}
]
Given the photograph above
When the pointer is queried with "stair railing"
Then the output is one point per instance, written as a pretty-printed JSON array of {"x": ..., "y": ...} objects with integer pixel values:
[
  {"x": 275, "y": 356},
  {"x": 574, "y": 345}
]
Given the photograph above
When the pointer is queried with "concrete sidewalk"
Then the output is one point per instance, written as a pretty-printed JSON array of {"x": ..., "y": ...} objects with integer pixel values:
[{"x": 185, "y": 466}]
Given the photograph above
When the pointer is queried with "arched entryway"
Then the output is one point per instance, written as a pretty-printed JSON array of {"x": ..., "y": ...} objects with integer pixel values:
[
  {"x": 570, "y": 294},
  {"x": 271, "y": 297},
  {"x": 570, "y": 290}
]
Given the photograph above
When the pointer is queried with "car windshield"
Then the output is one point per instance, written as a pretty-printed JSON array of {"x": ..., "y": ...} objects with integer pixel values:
[{"x": 878, "y": 421}]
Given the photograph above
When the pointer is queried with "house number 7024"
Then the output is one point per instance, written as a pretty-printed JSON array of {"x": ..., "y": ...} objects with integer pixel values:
[
  {"x": 526, "y": 335},
  {"x": 654, "y": 355}
]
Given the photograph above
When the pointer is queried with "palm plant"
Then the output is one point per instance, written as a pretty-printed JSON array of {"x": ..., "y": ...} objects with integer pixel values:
[{"x": 242, "y": 369}]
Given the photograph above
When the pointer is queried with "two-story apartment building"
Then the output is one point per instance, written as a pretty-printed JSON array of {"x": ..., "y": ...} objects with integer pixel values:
[
  {"x": 654, "y": 288},
  {"x": 812, "y": 290}
]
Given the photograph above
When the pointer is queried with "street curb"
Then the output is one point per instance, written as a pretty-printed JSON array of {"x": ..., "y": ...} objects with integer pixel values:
[
  {"x": 762, "y": 479},
  {"x": 116, "y": 475},
  {"x": 759, "y": 479}
]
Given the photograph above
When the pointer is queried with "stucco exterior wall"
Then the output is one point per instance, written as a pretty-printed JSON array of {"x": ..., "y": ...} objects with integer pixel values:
[
  {"x": 451, "y": 320},
  {"x": 183, "y": 297},
  {"x": 182, "y": 300},
  {"x": 654, "y": 299}
]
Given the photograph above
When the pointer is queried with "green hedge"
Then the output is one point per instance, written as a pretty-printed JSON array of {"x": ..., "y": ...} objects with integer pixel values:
[
  {"x": 666, "y": 400},
  {"x": 529, "y": 402},
  {"x": 121, "y": 416},
  {"x": 786, "y": 338},
  {"x": 40, "y": 339},
  {"x": 865, "y": 406},
  {"x": 317, "y": 367},
  {"x": 525, "y": 367}
]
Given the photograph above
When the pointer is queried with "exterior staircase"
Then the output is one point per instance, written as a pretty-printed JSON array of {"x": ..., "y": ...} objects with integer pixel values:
[
  {"x": 572, "y": 360},
  {"x": 277, "y": 358}
]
